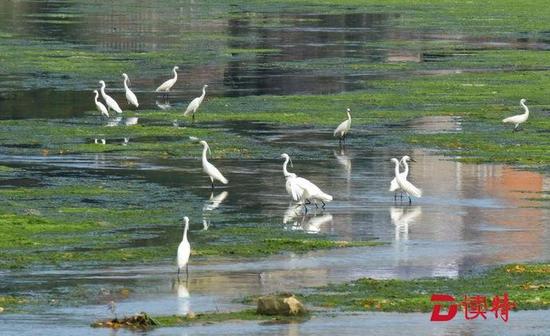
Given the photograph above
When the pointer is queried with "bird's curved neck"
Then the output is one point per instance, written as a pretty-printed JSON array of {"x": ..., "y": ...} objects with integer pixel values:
[
  {"x": 396, "y": 168},
  {"x": 349, "y": 116},
  {"x": 175, "y": 74},
  {"x": 203, "y": 92},
  {"x": 525, "y": 108},
  {"x": 102, "y": 88},
  {"x": 204, "y": 159},
  {"x": 406, "y": 165},
  {"x": 185, "y": 231},
  {"x": 126, "y": 82},
  {"x": 285, "y": 171},
  {"x": 96, "y": 96}
]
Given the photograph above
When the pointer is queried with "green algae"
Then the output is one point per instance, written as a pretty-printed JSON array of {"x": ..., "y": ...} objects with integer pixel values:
[{"x": 528, "y": 286}]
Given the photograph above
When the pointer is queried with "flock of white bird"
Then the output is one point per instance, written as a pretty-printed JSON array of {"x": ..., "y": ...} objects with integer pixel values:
[{"x": 300, "y": 190}]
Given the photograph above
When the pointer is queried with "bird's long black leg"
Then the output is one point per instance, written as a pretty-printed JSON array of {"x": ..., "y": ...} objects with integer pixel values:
[
  {"x": 212, "y": 185},
  {"x": 410, "y": 201},
  {"x": 323, "y": 204},
  {"x": 187, "y": 273},
  {"x": 307, "y": 202}
]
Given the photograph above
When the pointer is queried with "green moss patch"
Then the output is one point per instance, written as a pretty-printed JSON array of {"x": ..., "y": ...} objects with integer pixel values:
[{"x": 528, "y": 286}]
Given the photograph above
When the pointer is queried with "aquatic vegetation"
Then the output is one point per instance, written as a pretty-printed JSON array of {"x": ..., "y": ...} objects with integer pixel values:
[{"x": 526, "y": 284}]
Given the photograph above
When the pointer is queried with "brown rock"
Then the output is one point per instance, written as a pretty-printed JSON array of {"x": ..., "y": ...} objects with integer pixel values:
[{"x": 280, "y": 304}]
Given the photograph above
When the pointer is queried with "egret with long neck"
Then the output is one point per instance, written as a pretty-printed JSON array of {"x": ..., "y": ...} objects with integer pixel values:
[
  {"x": 130, "y": 96},
  {"x": 111, "y": 103},
  {"x": 404, "y": 184},
  {"x": 343, "y": 129},
  {"x": 209, "y": 168},
  {"x": 184, "y": 250},
  {"x": 520, "y": 118},
  {"x": 167, "y": 85},
  {"x": 195, "y": 104},
  {"x": 100, "y": 107}
]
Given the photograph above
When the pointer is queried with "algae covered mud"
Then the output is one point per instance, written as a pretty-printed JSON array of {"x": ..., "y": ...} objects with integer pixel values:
[{"x": 90, "y": 230}]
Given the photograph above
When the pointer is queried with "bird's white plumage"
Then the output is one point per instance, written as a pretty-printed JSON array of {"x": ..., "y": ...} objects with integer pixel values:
[
  {"x": 292, "y": 188},
  {"x": 195, "y": 103},
  {"x": 167, "y": 85},
  {"x": 311, "y": 191},
  {"x": 100, "y": 107},
  {"x": 184, "y": 249},
  {"x": 343, "y": 129},
  {"x": 394, "y": 186},
  {"x": 130, "y": 96},
  {"x": 209, "y": 168},
  {"x": 520, "y": 118},
  {"x": 301, "y": 189},
  {"x": 403, "y": 183},
  {"x": 111, "y": 103}
]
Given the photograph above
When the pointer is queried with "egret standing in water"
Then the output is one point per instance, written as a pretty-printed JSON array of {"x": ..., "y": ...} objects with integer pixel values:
[
  {"x": 166, "y": 86},
  {"x": 111, "y": 103},
  {"x": 343, "y": 129},
  {"x": 99, "y": 105},
  {"x": 184, "y": 250},
  {"x": 302, "y": 189},
  {"x": 520, "y": 118},
  {"x": 209, "y": 168},
  {"x": 292, "y": 188},
  {"x": 394, "y": 186},
  {"x": 404, "y": 184},
  {"x": 130, "y": 96},
  {"x": 195, "y": 103}
]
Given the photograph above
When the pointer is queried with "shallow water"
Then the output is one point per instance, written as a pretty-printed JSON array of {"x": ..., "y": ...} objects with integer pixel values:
[{"x": 472, "y": 216}]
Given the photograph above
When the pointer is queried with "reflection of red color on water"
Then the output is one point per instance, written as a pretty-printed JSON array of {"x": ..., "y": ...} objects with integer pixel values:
[
  {"x": 473, "y": 307},
  {"x": 514, "y": 187}
]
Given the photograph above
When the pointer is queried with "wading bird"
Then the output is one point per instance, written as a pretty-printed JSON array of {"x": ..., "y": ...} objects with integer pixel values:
[
  {"x": 394, "y": 186},
  {"x": 111, "y": 103},
  {"x": 343, "y": 129},
  {"x": 209, "y": 168},
  {"x": 166, "y": 86},
  {"x": 99, "y": 105},
  {"x": 130, "y": 96},
  {"x": 195, "y": 103},
  {"x": 184, "y": 250},
  {"x": 520, "y": 118},
  {"x": 405, "y": 185},
  {"x": 302, "y": 189}
]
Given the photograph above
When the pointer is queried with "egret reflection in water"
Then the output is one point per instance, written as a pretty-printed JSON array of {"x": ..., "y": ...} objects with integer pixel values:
[
  {"x": 163, "y": 105},
  {"x": 295, "y": 218},
  {"x": 402, "y": 218},
  {"x": 183, "y": 297},
  {"x": 211, "y": 204}
]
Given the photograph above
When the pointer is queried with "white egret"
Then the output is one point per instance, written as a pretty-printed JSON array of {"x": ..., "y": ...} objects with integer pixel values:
[
  {"x": 404, "y": 184},
  {"x": 343, "y": 129},
  {"x": 209, "y": 168},
  {"x": 98, "y": 141},
  {"x": 99, "y": 105},
  {"x": 520, "y": 118},
  {"x": 130, "y": 96},
  {"x": 394, "y": 186},
  {"x": 302, "y": 189},
  {"x": 126, "y": 142},
  {"x": 184, "y": 250},
  {"x": 292, "y": 188},
  {"x": 166, "y": 86},
  {"x": 195, "y": 103},
  {"x": 111, "y": 103}
]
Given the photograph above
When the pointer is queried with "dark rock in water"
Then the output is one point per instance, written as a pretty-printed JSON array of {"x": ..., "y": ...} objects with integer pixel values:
[
  {"x": 139, "y": 321},
  {"x": 280, "y": 304}
]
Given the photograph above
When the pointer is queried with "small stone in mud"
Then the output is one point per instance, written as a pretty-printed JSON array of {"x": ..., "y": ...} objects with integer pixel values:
[{"x": 281, "y": 304}]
